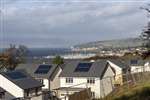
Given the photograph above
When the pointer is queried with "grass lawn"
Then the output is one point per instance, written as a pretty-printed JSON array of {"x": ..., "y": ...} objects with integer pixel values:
[{"x": 138, "y": 92}]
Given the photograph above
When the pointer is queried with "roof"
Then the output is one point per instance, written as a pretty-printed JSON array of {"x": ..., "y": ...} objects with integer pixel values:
[
  {"x": 119, "y": 63},
  {"x": 140, "y": 62},
  {"x": 26, "y": 82},
  {"x": 96, "y": 70},
  {"x": 32, "y": 67},
  {"x": 2, "y": 90},
  {"x": 125, "y": 63}
]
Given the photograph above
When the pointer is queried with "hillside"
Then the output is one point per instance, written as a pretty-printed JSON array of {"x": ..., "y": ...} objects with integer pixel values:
[
  {"x": 138, "y": 92},
  {"x": 121, "y": 43}
]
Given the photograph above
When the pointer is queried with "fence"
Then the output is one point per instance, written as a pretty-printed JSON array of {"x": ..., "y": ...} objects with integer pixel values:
[{"x": 129, "y": 80}]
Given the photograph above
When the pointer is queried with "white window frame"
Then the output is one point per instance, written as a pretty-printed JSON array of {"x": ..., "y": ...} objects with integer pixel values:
[
  {"x": 69, "y": 80},
  {"x": 91, "y": 80}
]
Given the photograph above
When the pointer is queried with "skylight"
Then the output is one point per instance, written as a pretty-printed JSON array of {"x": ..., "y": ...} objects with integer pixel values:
[
  {"x": 83, "y": 67},
  {"x": 43, "y": 69},
  {"x": 16, "y": 75}
]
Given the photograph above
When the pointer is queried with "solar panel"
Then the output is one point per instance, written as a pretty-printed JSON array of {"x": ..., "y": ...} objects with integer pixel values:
[
  {"x": 16, "y": 75},
  {"x": 83, "y": 67},
  {"x": 43, "y": 69}
]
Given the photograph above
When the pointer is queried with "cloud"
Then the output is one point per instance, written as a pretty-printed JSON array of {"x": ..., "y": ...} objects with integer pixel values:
[{"x": 67, "y": 23}]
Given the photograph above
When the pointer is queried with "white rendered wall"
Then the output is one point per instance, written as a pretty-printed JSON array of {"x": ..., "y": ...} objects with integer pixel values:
[
  {"x": 118, "y": 73},
  {"x": 137, "y": 69},
  {"x": 11, "y": 87},
  {"x": 107, "y": 82},
  {"x": 56, "y": 81},
  {"x": 81, "y": 82},
  {"x": 46, "y": 84},
  {"x": 37, "y": 98},
  {"x": 117, "y": 68},
  {"x": 147, "y": 66}
]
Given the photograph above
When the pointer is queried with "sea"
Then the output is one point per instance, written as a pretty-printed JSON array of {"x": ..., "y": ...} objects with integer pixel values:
[
  {"x": 51, "y": 52},
  {"x": 39, "y": 52}
]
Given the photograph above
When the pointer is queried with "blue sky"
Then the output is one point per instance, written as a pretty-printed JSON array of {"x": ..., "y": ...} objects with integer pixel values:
[{"x": 63, "y": 23}]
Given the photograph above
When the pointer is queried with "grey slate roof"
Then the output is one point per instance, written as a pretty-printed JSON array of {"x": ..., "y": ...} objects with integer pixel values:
[
  {"x": 24, "y": 83},
  {"x": 122, "y": 64},
  {"x": 96, "y": 69},
  {"x": 127, "y": 62},
  {"x": 140, "y": 62},
  {"x": 32, "y": 67}
]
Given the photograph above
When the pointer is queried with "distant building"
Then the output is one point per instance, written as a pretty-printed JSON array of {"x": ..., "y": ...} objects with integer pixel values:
[
  {"x": 136, "y": 65},
  {"x": 78, "y": 75},
  {"x": 20, "y": 85},
  {"x": 147, "y": 66}
]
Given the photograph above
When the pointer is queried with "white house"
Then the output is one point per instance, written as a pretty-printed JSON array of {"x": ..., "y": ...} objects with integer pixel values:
[
  {"x": 47, "y": 74},
  {"x": 147, "y": 66},
  {"x": 136, "y": 65},
  {"x": 78, "y": 75},
  {"x": 120, "y": 68},
  {"x": 20, "y": 85}
]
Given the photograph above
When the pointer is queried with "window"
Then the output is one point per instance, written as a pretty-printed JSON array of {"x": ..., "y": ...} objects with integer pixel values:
[
  {"x": 69, "y": 80},
  {"x": 91, "y": 80},
  {"x": 134, "y": 62},
  {"x": 40, "y": 80},
  {"x": 62, "y": 94},
  {"x": 1, "y": 95},
  {"x": 27, "y": 93},
  {"x": 93, "y": 94}
]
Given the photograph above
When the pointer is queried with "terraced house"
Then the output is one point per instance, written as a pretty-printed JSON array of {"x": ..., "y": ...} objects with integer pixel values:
[
  {"x": 20, "y": 85},
  {"x": 79, "y": 75},
  {"x": 47, "y": 74}
]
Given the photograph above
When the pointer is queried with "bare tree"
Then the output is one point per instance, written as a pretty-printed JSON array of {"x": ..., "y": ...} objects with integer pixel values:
[{"x": 12, "y": 56}]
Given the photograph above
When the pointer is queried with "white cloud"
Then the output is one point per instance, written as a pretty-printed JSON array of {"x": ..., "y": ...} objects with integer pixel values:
[{"x": 71, "y": 21}]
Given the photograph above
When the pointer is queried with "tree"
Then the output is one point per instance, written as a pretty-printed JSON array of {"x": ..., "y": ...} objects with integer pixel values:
[
  {"x": 13, "y": 56},
  {"x": 58, "y": 60},
  {"x": 145, "y": 35}
]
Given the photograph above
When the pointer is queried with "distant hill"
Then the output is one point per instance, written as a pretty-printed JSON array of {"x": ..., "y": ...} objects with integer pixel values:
[{"x": 120, "y": 43}]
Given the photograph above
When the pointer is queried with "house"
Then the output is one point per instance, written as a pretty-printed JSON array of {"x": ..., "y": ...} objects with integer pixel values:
[
  {"x": 147, "y": 66},
  {"x": 79, "y": 75},
  {"x": 47, "y": 74},
  {"x": 2, "y": 93},
  {"x": 120, "y": 68},
  {"x": 136, "y": 65},
  {"x": 20, "y": 85}
]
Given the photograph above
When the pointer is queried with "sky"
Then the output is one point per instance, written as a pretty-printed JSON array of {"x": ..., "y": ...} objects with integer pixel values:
[{"x": 64, "y": 23}]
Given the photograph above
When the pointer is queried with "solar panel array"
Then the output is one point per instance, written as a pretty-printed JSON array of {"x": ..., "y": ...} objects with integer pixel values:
[
  {"x": 43, "y": 69},
  {"x": 16, "y": 75},
  {"x": 83, "y": 67}
]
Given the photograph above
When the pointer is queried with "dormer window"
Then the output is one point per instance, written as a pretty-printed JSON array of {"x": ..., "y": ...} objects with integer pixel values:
[{"x": 134, "y": 62}]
